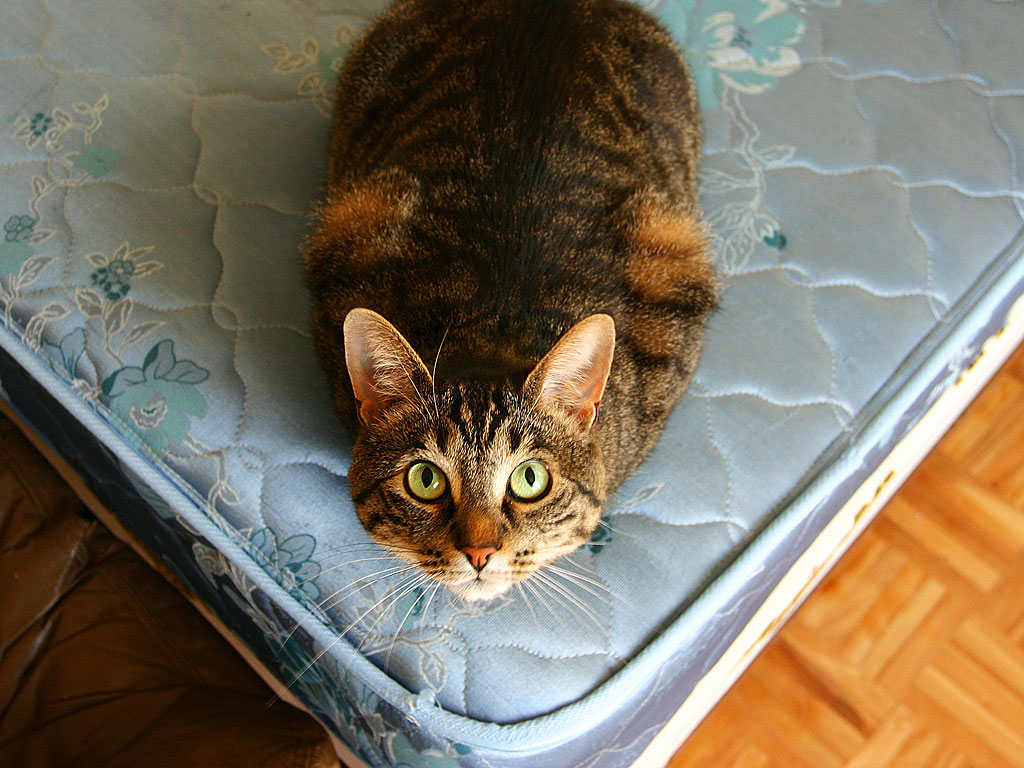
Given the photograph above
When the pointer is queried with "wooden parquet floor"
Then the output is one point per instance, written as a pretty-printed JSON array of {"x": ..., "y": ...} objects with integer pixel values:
[{"x": 910, "y": 654}]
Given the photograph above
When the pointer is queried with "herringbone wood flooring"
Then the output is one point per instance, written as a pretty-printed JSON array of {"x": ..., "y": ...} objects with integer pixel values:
[{"x": 911, "y": 652}]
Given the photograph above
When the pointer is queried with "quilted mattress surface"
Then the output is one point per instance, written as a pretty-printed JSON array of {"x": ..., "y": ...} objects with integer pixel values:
[{"x": 863, "y": 184}]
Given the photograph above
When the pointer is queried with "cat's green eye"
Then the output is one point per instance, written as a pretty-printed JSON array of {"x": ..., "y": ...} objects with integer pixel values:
[
  {"x": 425, "y": 481},
  {"x": 529, "y": 481}
]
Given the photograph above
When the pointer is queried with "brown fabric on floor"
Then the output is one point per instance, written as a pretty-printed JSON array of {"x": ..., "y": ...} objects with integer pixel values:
[{"x": 102, "y": 663}]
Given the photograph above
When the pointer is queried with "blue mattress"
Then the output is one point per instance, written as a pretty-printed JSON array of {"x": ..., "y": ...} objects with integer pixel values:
[{"x": 863, "y": 185}]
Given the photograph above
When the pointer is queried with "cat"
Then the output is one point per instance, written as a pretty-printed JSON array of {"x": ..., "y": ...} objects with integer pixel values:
[{"x": 510, "y": 280}]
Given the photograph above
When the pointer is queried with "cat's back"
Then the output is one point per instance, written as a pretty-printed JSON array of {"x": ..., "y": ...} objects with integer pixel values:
[
  {"x": 500, "y": 170},
  {"x": 479, "y": 81},
  {"x": 512, "y": 132}
]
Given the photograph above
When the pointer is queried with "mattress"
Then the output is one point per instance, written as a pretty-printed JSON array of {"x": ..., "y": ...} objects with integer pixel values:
[{"x": 863, "y": 186}]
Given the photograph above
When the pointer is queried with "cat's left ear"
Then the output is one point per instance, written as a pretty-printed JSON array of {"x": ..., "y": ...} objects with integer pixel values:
[
  {"x": 383, "y": 367},
  {"x": 572, "y": 376}
]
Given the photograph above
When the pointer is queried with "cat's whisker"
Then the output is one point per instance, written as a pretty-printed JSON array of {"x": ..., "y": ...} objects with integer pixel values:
[
  {"x": 348, "y": 545},
  {"x": 422, "y": 404},
  {"x": 572, "y": 579},
  {"x": 604, "y": 593},
  {"x": 361, "y": 548},
  {"x": 526, "y": 600},
  {"x": 398, "y": 632},
  {"x": 571, "y": 601},
  {"x": 402, "y": 592},
  {"x": 579, "y": 580},
  {"x": 576, "y": 574},
  {"x": 320, "y": 610},
  {"x": 342, "y": 565},
  {"x": 387, "y": 595},
  {"x": 540, "y": 598},
  {"x": 617, "y": 531},
  {"x": 547, "y": 590},
  {"x": 586, "y": 621},
  {"x": 582, "y": 566},
  {"x": 372, "y": 578},
  {"x": 307, "y": 667},
  {"x": 369, "y": 580},
  {"x": 358, "y": 585},
  {"x": 433, "y": 372},
  {"x": 426, "y": 607},
  {"x": 425, "y": 614},
  {"x": 567, "y": 589},
  {"x": 360, "y": 560}
]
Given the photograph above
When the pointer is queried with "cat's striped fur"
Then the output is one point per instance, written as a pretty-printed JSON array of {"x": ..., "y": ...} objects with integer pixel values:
[{"x": 499, "y": 171}]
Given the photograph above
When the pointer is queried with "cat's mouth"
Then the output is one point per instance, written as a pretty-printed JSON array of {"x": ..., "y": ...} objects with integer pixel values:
[{"x": 481, "y": 587}]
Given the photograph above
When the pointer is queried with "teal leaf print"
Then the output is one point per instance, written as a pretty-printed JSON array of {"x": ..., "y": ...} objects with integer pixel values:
[
  {"x": 260, "y": 540},
  {"x": 160, "y": 359},
  {"x": 186, "y": 372},
  {"x": 15, "y": 248},
  {"x": 32, "y": 129},
  {"x": 601, "y": 537},
  {"x": 119, "y": 382},
  {"x": 411, "y": 604},
  {"x": 69, "y": 351},
  {"x": 113, "y": 279},
  {"x": 113, "y": 275},
  {"x": 159, "y": 399},
  {"x": 403, "y": 754},
  {"x": 292, "y": 557},
  {"x": 296, "y": 662},
  {"x": 18, "y": 229},
  {"x": 330, "y": 62},
  {"x": 97, "y": 161},
  {"x": 318, "y": 68},
  {"x": 746, "y": 45},
  {"x": 299, "y": 548},
  {"x": 12, "y": 256},
  {"x": 776, "y": 240},
  {"x": 165, "y": 366},
  {"x": 40, "y": 124}
]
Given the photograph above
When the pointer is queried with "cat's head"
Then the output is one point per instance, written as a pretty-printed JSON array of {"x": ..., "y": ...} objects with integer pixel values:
[{"x": 480, "y": 484}]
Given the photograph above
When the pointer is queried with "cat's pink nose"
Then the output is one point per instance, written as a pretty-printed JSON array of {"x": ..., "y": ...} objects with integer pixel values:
[{"x": 478, "y": 556}]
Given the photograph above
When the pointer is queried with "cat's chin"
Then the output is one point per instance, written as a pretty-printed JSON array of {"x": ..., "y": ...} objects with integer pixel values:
[{"x": 478, "y": 590}]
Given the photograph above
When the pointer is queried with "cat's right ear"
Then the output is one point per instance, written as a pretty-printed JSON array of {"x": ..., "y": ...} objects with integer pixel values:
[
  {"x": 570, "y": 379},
  {"x": 383, "y": 368}
]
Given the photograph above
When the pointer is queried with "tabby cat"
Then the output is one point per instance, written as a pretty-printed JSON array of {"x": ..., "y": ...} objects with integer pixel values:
[{"x": 512, "y": 197}]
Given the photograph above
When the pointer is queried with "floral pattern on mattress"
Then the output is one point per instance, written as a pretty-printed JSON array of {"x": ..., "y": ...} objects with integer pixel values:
[{"x": 861, "y": 195}]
